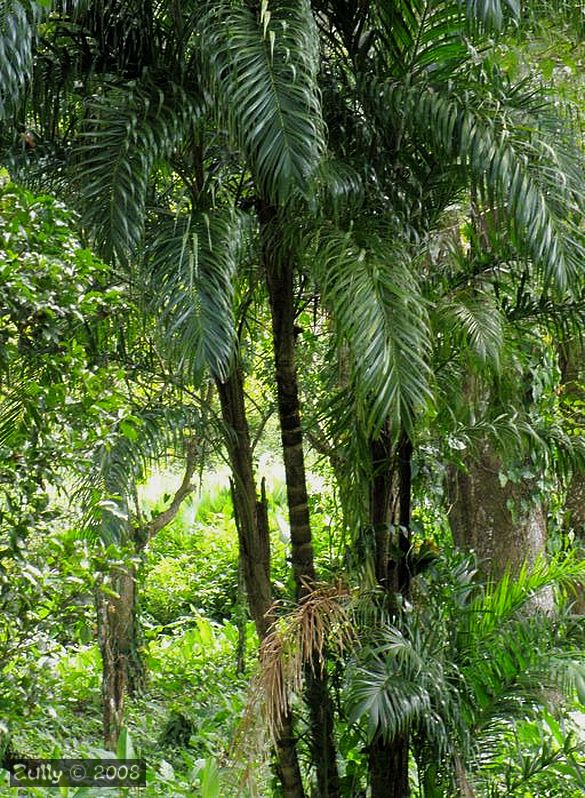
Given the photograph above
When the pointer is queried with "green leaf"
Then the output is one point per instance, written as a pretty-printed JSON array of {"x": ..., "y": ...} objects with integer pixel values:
[
  {"x": 190, "y": 266},
  {"x": 267, "y": 88}
]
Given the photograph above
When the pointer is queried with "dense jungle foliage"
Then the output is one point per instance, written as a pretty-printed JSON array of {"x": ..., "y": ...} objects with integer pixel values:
[{"x": 292, "y": 395}]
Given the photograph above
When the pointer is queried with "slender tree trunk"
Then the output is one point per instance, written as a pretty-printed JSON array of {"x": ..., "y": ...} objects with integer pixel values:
[
  {"x": 118, "y": 630},
  {"x": 572, "y": 369},
  {"x": 280, "y": 279},
  {"x": 254, "y": 544},
  {"x": 118, "y": 648},
  {"x": 390, "y": 500}
]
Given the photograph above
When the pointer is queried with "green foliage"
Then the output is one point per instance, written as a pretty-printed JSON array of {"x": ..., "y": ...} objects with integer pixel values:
[
  {"x": 126, "y": 133},
  {"x": 193, "y": 565},
  {"x": 368, "y": 283},
  {"x": 18, "y": 21},
  {"x": 270, "y": 97},
  {"x": 190, "y": 267},
  {"x": 464, "y": 664}
]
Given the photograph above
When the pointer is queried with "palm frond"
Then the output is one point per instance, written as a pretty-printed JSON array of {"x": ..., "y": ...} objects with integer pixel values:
[
  {"x": 376, "y": 304},
  {"x": 263, "y": 69},
  {"x": 502, "y": 600},
  {"x": 430, "y": 35},
  {"x": 190, "y": 267},
  {"x": 473, "y": 320},
  {"x": 530, "y": 173},
  {"x": 492, "y": 13},
  {"x": 418, "y": 33},
  {"x": 18, "y": 29},
  {"x": 127, "y": 131},
  {"x": 396, "y": 686}
]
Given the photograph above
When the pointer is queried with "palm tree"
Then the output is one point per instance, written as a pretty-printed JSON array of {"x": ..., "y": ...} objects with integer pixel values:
[
  {"x": 427, "y": 670},
  {"x": 416, "y": 115},
  {"x": 145, "y": 113}
]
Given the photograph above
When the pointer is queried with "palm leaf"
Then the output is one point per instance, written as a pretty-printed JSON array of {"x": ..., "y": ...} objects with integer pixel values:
[
  {"x": 472, "y": 319},
  {"x": 126, "y": 133},
  {"x": 190, "y": 267},
  {"x": 18, "y": 27},
  {"x": 530, "y": 171},
  {"x": 377, "y": 307},
  {"x": 263, "y": 69}
]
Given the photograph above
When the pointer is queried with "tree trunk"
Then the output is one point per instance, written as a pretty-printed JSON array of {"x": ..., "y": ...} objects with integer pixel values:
[
  {"x": 571, "y": 361},
  {"x": 117, "y": 643},
  {"x": 390, "y": 503},
  {"x": 254, "y": 544},
  {"x": 253, "y": 535},
  {"x": 575, "y": 514},
  {"x": 504, "y": 524},
  {"x": 280, "y": 279},
  {"x": 388, "y": 768},
  {"x": 118, "y": 631}
]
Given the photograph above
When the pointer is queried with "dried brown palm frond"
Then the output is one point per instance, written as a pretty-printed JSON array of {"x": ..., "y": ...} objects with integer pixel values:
[{"x": 297, "y": 642}]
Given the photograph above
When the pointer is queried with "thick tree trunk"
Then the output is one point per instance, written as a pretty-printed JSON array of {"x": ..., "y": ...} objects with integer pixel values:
[
  {"x": 254, "y": 544},
  {"x": 118, "y": 648},
  {"x": 504, "y": 524},
  {"x": 280, "y": 280},
  {"x": 390, "y": 501},
  {"x": 388, "y": 768}
]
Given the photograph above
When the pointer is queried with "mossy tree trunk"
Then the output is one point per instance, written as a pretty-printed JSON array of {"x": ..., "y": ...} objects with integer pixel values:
[{"x": 502, "y": 520}]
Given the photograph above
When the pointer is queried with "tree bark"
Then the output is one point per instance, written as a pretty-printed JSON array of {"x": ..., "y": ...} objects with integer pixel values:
[
  {"x": 390, "y": 506},
  {"x": 117, "y": 644},
  {"x": 280, "y": 280},
  {"x": 388, "y": 768},
  {"x": 504, "y": 524},
  {"x": 571, "y": 361},
  {"x": 254, "y": 544},
  {"x": 118, "y": 631}
]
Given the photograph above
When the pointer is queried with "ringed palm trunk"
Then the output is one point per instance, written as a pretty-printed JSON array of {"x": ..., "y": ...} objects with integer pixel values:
[
  {"x": 280, "y": 280},
  {"x": 254, "y": 544},
  {"x": 390, "y": 492}
]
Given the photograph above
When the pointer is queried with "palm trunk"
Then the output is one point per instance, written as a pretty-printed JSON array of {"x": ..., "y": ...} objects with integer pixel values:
[
  {"x": 254, "y": 544},
  {"x": 390, "y": 489},
  {"x": 571, "y": 362},
  {"x": 388, "y": 768},
  {"x": 280, "y": 280}
]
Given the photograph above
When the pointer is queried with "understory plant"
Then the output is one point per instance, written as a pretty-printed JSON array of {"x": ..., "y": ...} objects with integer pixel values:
[{"x": 480, "y": 674}]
